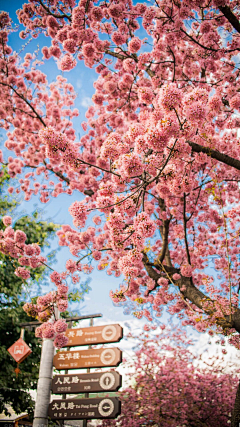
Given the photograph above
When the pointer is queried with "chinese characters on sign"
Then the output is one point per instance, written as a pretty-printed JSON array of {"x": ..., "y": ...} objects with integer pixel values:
[
  {"x": 80, "y": 383},
  {"x": 19, "y": 350},
  {"x": 94, "y": 335},
  {"x": 91, "y": 358},
  {"x": 90, "y": 408},
  {"x": 79, "y": 409}
]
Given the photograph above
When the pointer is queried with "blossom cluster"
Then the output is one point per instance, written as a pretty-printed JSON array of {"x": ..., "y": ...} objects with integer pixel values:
[
  {"x": 45, "y": 311},
  {"x": 12, "y": 243},
  {"x": 157, "y": 158}
]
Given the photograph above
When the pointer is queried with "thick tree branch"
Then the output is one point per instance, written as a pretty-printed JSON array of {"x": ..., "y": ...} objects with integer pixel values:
[
  {"x": 185, "y": 228},
  {"x": 223, "y": 158},
  {"x": 235, "y": 421},
  {"x": 193, "y": 294},
  {"x": 116, "y": 55},
  {"x": 89, "y": 192},
  {"x": 150, "y": 270},
  {"x": 61, "y": 176},
  {"x": 54, "y": 14},
  {"x": 230, "y": 17},
  {"x": 164, "y": 230}
]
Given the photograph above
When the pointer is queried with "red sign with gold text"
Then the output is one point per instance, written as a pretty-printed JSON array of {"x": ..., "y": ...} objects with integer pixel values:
[{"x": 19, "y": 350}]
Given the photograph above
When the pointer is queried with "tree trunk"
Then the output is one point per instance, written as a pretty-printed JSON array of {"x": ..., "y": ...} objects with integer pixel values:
[{"x": 235, "y": 422}]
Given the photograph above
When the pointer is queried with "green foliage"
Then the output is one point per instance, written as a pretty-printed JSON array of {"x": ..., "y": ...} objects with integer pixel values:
[
  {"x": 76, "y": 295},
  {"x": 6, "y": 205},
  {"x": 11, "y": 286},
  {"x": 14, "y": 389}
]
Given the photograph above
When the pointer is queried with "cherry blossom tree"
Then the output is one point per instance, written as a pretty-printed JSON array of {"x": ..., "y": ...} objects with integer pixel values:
[
  {"x": 170, "y": 386},
  {"x": 159, "y": 161}
]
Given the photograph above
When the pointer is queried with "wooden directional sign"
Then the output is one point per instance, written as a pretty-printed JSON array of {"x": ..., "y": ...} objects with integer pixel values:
[
  {"x": 94, "y": 335},
  {"x": 78, "y": 409},
  {"x": 82, "y": 383},
  {"x": 91, "y": 358}
]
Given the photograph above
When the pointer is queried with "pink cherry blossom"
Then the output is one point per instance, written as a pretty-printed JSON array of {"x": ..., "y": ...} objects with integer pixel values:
[
  {"x": 60, "y": 326},
  {"x": 7, "y": 220},
  {"x": 60, "y": 341},
  {"x": 157, "y": 161}
]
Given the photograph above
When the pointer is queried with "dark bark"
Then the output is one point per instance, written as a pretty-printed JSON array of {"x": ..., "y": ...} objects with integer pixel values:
[
  {"x": 191, "y": 293},
  {"x": 89, "y": 192},
  {"x": 230, "y": 17},
  {"x": 214, "y": 154},
  {"x": 235, "y": 422},
  {"x": 164, "y": 230}
]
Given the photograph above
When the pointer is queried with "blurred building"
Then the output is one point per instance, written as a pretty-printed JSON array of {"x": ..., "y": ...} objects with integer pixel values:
[{"x": 14, "y": 420}]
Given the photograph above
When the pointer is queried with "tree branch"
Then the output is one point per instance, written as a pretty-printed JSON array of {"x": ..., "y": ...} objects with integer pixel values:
[
  {"x": 230, "y": 17},
  {"x": 54, "y": 14},
  {"x": 122, "y": 57},
  {"x": 164, "y": 230},
  {"x": 27, "y": 102},
  {"x": 97, "y": 167},
  {"x": 185, "y": 228},
  {"x": 223, "y": 158},
  {"x": 235, "y": 420},
  {"x": 193, "y": 294}
]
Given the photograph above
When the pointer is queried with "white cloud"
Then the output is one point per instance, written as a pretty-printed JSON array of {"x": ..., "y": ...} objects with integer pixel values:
[
  {"x": 86, "y": 101},
  {"x": 79, "y": 83}
]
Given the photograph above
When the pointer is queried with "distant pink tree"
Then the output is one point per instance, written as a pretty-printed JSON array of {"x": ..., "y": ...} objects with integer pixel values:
[{"x": 170, "y": 387}]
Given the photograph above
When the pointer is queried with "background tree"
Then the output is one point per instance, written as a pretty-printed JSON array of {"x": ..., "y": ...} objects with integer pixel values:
[
  {"x": 14, "y": 390},
  {"x": 169, "y": 386}
]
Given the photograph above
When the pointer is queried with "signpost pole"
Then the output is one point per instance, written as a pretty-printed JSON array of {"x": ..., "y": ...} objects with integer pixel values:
[
  {"x": 88, "y": 370},
  {"x": 44, "y": 384},
  {"x": 45, "y": 381},
  {"x": 45, "y": 373}
]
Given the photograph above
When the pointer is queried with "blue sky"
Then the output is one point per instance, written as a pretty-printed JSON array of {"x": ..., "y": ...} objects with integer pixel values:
[
  {"x": 56, "y": 209},
  {"x": 82, "y": 78},
  {"x": 98, "y": 300}
]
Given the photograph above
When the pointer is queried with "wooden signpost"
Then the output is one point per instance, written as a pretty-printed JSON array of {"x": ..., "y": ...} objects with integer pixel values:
[
  {"x": 86, "y": 383},
  {"x": 81, "y": 409},
  {"x": 91, "y": 358},
  {"x": 88, "y": 408},
  {"x": 94, "y": 335}
]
